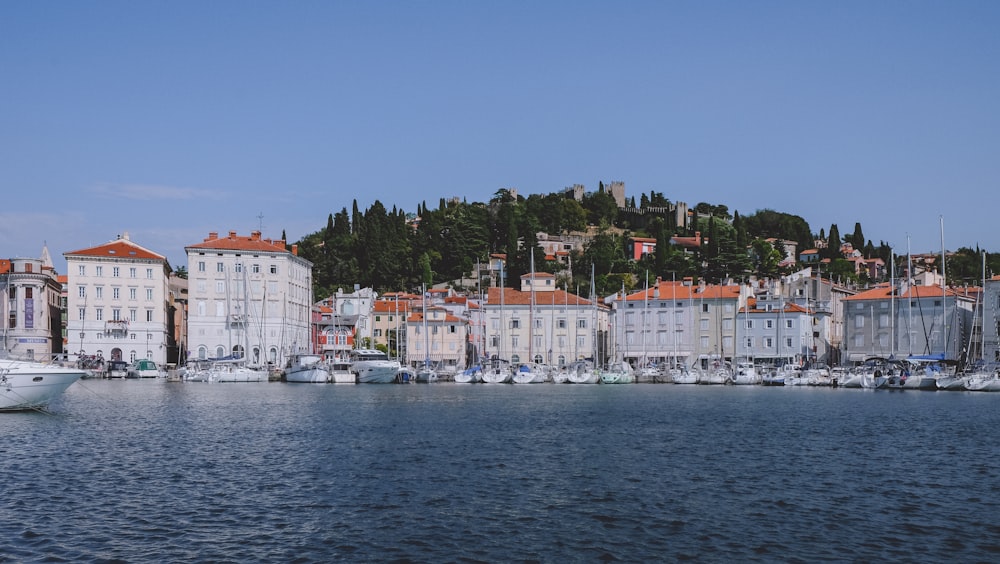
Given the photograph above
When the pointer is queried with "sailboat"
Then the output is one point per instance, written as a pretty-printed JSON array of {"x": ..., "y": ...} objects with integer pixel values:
[
  {"x": 530, "y": 372},
  {"x": 234, "y": 368},
  {"x": 426, "y": 373},
  {"x": 619, "y": 371},
  {"x": 679, "y": 372},
  {"x": 497, "y": 371},
  {"x": 584, "y": 371}
]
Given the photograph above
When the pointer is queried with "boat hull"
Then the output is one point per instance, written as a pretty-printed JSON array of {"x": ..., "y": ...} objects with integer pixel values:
[
  {"x": 28, "y": 385},
  {"x": 310, "y": 375}
]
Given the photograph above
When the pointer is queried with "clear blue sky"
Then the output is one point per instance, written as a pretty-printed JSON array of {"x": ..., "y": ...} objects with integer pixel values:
[{"x": 169, "y": 120}]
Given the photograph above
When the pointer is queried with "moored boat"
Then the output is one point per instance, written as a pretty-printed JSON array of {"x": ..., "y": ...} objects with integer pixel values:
[
  {"x": 373, "y": 366},
  {"x": 307, "y": 369},
  {"x": 32, "y": 385}
]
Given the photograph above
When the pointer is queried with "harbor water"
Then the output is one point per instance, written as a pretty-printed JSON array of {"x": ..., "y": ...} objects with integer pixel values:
[{"x": 141, "y": 471}]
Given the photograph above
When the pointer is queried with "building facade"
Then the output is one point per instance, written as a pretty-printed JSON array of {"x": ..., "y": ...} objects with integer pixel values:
[
  {"x": 117, "y": 302},
  {"x": 31, "y": 308},
  {"x": 250, "y": 298},
  {"x": 541, "y": 323}
]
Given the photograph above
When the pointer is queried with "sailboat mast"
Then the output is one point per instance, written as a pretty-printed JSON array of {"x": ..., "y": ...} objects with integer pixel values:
[{"x": 944, "y": 294}]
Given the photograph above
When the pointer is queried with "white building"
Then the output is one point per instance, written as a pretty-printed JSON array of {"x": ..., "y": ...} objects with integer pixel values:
[
  {"x": 541, "y": 323},
  {"x": 676, "y": 322},
  {"x": 248, "y": 297},
  {"x": 116, "y": 302},
  {"x": 31, "y": 307}
]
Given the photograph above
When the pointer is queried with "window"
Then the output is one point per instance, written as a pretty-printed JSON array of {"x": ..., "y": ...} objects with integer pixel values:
[
  {"x": 749, "y": 324},
  {"x": 238, "y": 267},
  {"x": 81, "y": 291},
  {"x": 859, "y": 321},
  {"x": 581, "y": 341},
  {"x": 859, "y": 341},
  {"x": 274, "y": 269},
  {"x": 149, "y": 273},
  {"x": 100, "y": 270},
  {"x": 514, "y": 342},
  {"x": 581, "y": 323},
  {"x": 768, "y": 342},
  {"x": 219, "y": 267},
  {"x": 149, "y": 294},
  {"x": 220, "y": 286},
  {"x": 149, "y": 315},
  {"x": 116, "y": 314},
  {"x": 131, "y": 293},
  {"x": 788, "y": 342},
  {"x": 495, "y": 341},
  {"x": 132, "y": 315},
  {"x": 704, "y": 308},
  {"x": 220, "y": 308},
  {"x": 561, "y": 323},
  {"x": 788, "y": 323},
  {"x": 132, "y": 272},
  {"x": 630, "y": 318},
  {"x": 116, "y": 293},
  {"x": 115, "y": 272},
  {"x": 201, "y": 266},
  {"x": 749, "y": 343},
  {"x": 256, "y": 269},
  {"x": 769, "y": 324},
  {"x": 515, "y": 323},
  {"x": 100, "y": 314},
  {"x": 81, "y": 313},
  {"x": 27, "y": 293},
  {"x": 99, "y": 292},
  {"x": 83, "y": 270}
]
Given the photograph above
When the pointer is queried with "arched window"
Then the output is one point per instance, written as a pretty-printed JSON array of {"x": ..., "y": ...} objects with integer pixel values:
[
  {"x": 514, "y": 359},
  {"x": 538, "y": 359},
  {"x": 562, "y": 360},
  {"x": 202, "y": 352},
  {"x": 273, "y": 355}
]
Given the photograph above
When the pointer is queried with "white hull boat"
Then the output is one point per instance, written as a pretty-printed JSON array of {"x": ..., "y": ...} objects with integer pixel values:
[
  {"x": 528, "y": 374},
  {"x": 620, "y": 373},
  {"x": 497, "y": 372},
  {"x": 235, "y": 371},
  {"x": 32, "y": 385},
  {"x": 373, "y": 367},
  {"x": 472, "y": 375},
  {"x": 307, "y": 369}
]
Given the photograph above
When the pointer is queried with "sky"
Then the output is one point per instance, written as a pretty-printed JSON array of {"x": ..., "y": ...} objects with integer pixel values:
[{"x": 171, "y": 120}]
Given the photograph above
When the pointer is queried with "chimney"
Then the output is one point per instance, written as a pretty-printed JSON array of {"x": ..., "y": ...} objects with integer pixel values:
[
  {"x": 212, "y": 235},
  {"x": 232, "y": 234},
  {"x": 255, "y": 235},
  {"x": 295, "y": 249}
]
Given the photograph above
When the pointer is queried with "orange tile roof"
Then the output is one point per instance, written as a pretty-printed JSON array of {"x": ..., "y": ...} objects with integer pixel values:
[
  {"x": 386, "y": 306},
  {"x": 4, "y": 266},
  {"x": 884, "y": 292},
  {"x": 677, "y": 290},
  {"x": 517, "y": 297},
  {"x": 234, "y": 242},
  {"x": 122, "y": 248}
]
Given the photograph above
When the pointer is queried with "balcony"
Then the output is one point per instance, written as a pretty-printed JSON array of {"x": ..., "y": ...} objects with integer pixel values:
[{"x": 116, "y": 327}]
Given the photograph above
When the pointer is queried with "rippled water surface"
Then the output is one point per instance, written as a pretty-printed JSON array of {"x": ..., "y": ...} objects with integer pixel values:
[{"x": 158, "y": 471}]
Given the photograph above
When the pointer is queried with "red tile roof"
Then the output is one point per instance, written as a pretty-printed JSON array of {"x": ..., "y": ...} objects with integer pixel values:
[
  {"x": 122, "y": 248},
  {"x": 234, "y": 242},
  {"x": 679, "y": 291},
  {"x": 517, "y": 297}
]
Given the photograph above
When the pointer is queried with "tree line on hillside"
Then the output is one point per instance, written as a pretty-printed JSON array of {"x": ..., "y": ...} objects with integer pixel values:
[{"x": 391, "y": 250}]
